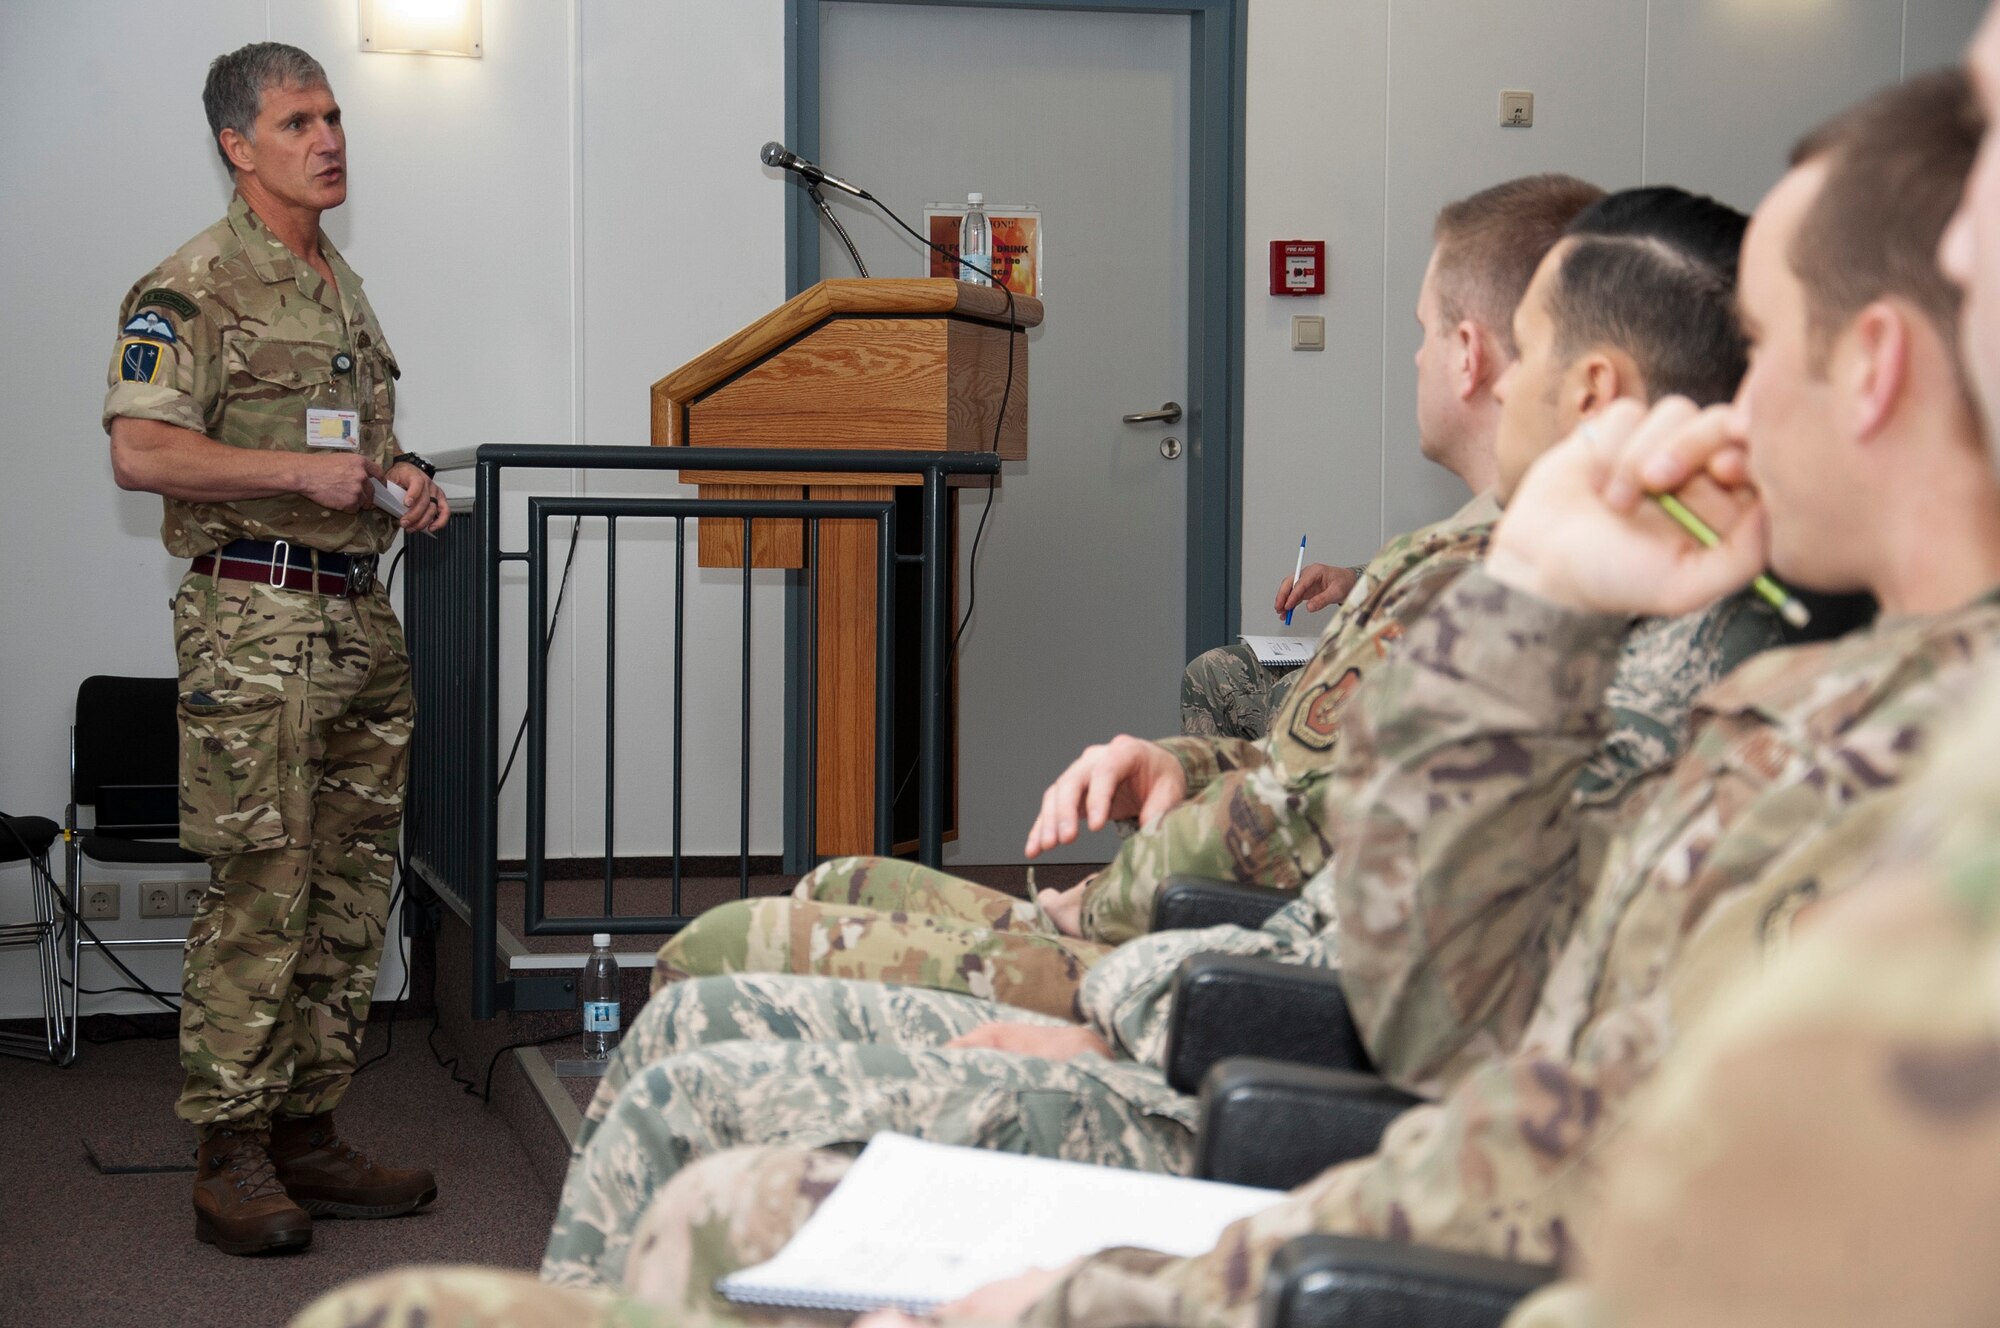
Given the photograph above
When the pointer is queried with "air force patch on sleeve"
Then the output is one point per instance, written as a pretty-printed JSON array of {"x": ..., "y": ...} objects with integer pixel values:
[
  {"x": 139, "y": 361},
  {"x": 147, "y": 323}
]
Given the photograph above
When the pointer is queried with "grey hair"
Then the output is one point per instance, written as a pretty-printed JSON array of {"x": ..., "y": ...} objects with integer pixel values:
[{"x": 234, "y": 92}]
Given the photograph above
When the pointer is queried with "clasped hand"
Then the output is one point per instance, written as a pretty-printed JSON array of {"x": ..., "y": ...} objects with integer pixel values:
[{"x": 1581, "y": 532}]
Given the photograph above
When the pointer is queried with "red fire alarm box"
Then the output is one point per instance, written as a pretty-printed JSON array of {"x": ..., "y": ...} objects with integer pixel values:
[{"x": 1298, "y": 267}]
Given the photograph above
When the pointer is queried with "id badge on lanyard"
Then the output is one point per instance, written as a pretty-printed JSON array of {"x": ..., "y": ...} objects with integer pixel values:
[{"x": 332, "y": 423}]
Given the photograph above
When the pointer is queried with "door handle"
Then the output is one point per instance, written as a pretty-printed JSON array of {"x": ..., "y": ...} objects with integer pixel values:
[{"x": 1167, "y": 414}]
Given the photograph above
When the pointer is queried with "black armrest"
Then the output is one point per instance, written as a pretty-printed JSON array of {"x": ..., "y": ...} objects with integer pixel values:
[
  {"x": 1186, "y": 903},
  {"x": 1233, "y": 1005},
  {"x": 1349, "y": 1282},
  {"x": 1275, "y": 1125}
]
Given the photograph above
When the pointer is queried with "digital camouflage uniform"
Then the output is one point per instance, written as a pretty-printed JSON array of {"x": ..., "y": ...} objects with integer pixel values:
[
  {"x": 295, "y": 707},
  {"x": 1228, "y": 693},
  {"x": 1712, "y": 856}
]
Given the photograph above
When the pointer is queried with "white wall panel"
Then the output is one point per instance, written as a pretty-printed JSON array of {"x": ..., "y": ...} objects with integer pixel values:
[
  {"x": 1448, "y": 62},
  {"x": 1935, "y": 32}
]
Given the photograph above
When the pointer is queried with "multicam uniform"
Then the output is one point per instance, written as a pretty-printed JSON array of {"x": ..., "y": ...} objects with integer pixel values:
[
  {"x": 1251, "y": 814},
  {"x": 1825, "y": 1149},
  {"x": 295, "y": 706},
  {"x": 1257, "y": 812}
]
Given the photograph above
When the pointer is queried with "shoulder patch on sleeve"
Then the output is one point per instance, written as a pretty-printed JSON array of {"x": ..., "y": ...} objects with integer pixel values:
[
  {"x": 139, "y": 361},
  {"x": 169, "y": 299},
  {"x": 148, "y": 324}
]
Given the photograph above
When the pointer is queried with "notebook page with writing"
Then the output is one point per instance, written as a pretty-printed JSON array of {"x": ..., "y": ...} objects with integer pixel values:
[{"x": 915, "y": 1225}]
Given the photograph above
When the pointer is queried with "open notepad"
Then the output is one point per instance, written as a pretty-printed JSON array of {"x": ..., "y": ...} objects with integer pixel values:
[
  {"x": 916, "y": 1225},
  {"x": 1281, "y": 651}
]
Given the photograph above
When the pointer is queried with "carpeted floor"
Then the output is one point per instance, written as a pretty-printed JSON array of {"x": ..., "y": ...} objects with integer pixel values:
[{"x": 81, "y": 1247}]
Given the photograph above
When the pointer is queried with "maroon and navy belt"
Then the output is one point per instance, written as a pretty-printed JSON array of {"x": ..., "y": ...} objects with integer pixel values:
[{"x": 284, "y": 565}]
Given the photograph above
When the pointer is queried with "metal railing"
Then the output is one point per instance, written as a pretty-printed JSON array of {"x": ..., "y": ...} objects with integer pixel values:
[{"x": 453, "y": 607}]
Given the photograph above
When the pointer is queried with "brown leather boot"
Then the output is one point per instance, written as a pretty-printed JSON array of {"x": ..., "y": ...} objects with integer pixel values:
[
  {"x": 239, "y": 1206},
  {"x": 331, "y": 1178}
]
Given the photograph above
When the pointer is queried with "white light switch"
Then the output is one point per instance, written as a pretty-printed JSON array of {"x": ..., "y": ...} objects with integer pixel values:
[
  {"x": 1308, "y": 332},
  {"x": 1517, "y": 110}
]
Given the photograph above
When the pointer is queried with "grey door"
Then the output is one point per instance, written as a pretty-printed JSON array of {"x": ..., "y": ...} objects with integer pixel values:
[{"x": 1079, "y": 625}]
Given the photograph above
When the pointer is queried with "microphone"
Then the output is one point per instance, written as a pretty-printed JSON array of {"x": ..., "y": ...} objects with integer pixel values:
[{"x": 776, "y": 154}]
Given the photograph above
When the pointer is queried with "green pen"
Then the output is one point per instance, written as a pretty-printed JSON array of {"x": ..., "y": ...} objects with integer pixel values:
[{"x": 1774, "y": 594}]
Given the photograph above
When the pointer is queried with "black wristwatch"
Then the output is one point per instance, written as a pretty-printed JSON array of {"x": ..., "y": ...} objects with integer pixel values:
[{"x": 415, "y": 460}]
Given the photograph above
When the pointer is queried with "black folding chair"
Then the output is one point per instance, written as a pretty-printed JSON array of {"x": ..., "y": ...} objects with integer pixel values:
[
  {"x": 27, "y": 839},
  {"x": 124, "y": 765}
]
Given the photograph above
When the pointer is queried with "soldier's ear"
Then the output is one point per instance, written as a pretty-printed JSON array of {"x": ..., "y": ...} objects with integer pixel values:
[{"x": 236, "y": 148}]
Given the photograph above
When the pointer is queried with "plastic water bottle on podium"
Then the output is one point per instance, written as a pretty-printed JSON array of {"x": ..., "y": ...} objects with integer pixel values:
[
  {"x": 597, "y": 988},
  {"x": 975, "y": 243}
]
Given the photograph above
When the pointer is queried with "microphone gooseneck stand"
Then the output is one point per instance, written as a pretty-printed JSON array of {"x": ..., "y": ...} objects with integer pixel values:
[{"x": 819, "y": 201}]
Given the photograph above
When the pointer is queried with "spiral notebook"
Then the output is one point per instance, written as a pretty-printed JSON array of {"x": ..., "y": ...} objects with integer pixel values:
[
  {"x": 915, "y": 1225},
  {"x": 1284, "y": 652}
]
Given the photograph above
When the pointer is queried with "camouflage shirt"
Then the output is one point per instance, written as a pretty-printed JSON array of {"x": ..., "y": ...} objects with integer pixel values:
[
  {"x": 1387, "y": 803},
  {"x": 1778, "y": 755},
  {"x": 236, "y": 337}
]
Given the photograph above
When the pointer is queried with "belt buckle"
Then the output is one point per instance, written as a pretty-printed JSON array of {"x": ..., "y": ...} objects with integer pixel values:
[
  {"x": 281, "y": 562},
  {"x": 360, "y": 575}
]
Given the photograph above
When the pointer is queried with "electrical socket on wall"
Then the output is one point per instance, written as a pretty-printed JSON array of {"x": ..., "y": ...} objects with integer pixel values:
[
  {"x": 98, "y": 901},
  {"x": 159, "y": 899},
  {"x": 192, "y": 893}
]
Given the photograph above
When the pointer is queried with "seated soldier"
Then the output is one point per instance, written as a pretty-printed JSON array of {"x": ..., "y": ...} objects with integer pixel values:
[
  {"x": 1869, "y": 472},
  {"x": 1258, "y": 810},
  {"x": 855, "y": 1056},
  {"x": 1465, "y": 313}
]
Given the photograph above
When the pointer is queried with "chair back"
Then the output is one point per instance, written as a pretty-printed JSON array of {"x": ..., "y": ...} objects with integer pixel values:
[{"x": 125, "y": 755}]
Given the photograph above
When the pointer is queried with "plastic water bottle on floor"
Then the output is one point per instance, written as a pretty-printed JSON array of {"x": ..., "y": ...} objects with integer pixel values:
[
  {"x": 597, "y": 988},
  {"x": 975, "y": 243}
]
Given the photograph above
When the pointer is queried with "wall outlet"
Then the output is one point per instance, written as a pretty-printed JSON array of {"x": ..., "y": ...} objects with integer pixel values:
[
  {"x": 192, "y": 893},
  {"x": 98, "y": 901},
  {"x": 159, "y": 899}
]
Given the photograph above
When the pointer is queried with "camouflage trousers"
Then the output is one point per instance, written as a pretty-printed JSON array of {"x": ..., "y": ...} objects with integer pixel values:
[
  {"x": 1226, "y": 693},
  {"x": 721, "y": 1062},
  {"x": 295, "y": 714},
  {"x": 886, "y": 920}
]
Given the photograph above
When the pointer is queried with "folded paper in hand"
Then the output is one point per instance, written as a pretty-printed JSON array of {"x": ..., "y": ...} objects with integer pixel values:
[
  {"x": 916, "y": 1225},
  {"x": 390, "y": 497}
]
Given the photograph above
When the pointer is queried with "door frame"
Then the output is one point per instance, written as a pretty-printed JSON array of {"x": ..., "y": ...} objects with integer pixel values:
[{"x": 1215, "y": 280}]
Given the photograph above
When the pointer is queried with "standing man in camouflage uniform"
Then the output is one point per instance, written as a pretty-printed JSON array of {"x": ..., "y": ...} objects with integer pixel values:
[{"x": 253, "y": 390}]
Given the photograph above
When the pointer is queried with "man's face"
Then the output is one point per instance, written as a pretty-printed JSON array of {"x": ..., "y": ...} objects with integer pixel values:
[
  {"x": 1789, "y": 418},
  {"x": 299, "y": 153},
  {"x": 1438, "y": 406},
  {"x": 1532, "y": 413},
  {"x": 1970, "y": 252}
]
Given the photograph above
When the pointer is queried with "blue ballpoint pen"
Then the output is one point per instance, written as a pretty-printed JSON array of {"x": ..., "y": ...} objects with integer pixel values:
[{"x": 1297, "y": 567}]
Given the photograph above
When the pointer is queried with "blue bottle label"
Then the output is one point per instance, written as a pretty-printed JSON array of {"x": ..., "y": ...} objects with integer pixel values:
[{"x": 600, "y": 1016}]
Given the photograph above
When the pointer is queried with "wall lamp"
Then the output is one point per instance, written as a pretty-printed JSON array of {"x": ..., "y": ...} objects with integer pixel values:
[{"x": 421, "y": 27}]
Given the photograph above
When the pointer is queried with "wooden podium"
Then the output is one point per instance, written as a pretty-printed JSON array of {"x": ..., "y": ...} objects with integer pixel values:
[{"x": 918, "y": 364}]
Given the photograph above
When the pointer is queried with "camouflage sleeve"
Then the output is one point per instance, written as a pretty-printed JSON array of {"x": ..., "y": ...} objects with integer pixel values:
[
  {"x": 1665, "y": 663},
  {"x": 1455, "y": 835},
  {"x": 1127, "y": 996},
  {"x": 1206, "y": 759},
  {"x": 167, "y": 362},
  {"x": 1494, "y": 1171}
]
